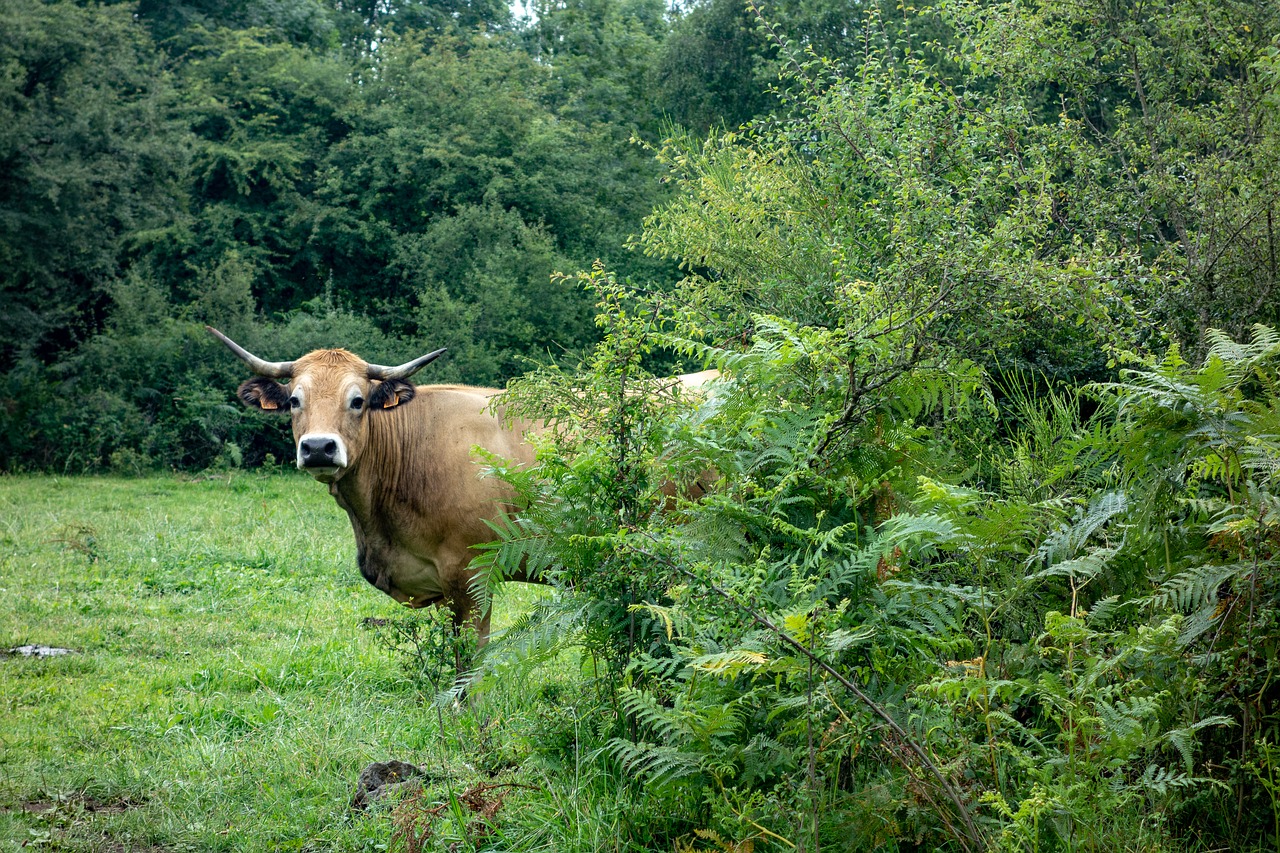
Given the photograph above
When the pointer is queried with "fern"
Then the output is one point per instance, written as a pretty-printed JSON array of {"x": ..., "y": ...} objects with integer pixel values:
[
  {"x": 1068, "y": 540},
  {"x": 1183, "y": 739},
  {"x": 1105, "y": 611},
  {"x": 658, "y": 764},
  {"x": 1081, "y": 569},
  {"x": 664, "y": 722},
  {"x": 553, "y": 625},
  {"x": 731, "y": 663},
  {"x": 1161, "y": 781},
  {"x": 1196, "y": 588},
  {"x": 921, "y": 532}
]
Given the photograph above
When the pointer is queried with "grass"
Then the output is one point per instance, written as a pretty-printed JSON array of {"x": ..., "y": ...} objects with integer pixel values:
[{"x": 224, "y": 696}]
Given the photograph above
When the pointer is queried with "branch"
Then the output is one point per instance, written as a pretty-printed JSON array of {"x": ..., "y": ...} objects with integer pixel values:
[{"x": 854, "y": 410}]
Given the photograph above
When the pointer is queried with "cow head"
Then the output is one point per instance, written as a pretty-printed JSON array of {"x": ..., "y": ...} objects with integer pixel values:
[{"x": 329, "y": 394}]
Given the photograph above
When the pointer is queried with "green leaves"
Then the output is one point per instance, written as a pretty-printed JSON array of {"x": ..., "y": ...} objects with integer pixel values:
[
  {"x": 1174, "y": 98},
  {"x": 91, "y": 158}
]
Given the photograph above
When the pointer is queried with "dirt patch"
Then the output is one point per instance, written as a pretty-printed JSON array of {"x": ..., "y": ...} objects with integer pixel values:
[{"x": 115, "y": 807}]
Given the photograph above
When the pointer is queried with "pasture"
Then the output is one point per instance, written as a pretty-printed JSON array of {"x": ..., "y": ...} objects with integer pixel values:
[{"x": 225, "y": 689}]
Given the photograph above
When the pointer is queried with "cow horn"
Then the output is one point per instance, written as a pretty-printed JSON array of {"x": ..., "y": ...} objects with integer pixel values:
[
  {"x": 274, "y": 369},
  {"x": 404, "y": 371}
]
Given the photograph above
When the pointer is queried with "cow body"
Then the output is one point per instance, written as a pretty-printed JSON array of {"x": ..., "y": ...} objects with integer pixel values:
[
  {"x": 399, "y": 459},
  {"x": 418, "y": 500}
]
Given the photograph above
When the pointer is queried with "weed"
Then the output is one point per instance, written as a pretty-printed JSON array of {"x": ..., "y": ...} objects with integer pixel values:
[
  {"x": 81, "y": 538},
  {"x": 426, "y": 645}
]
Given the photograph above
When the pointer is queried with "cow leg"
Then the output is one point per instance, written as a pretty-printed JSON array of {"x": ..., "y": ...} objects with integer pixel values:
[{"x": 467, "y": 615}]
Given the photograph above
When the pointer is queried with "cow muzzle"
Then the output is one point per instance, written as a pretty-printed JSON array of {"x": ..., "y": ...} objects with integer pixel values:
[{"x": 322, "y": 454}]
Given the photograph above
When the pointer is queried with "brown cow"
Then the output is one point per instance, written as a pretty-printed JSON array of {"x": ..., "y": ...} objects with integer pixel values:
[{"x": 398, "y": 458}]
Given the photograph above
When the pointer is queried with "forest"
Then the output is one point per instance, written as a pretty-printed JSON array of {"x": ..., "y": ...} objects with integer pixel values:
[{"x": 991, "y": 560}]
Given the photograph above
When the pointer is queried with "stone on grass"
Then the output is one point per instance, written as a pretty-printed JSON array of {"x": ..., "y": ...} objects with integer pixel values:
[
  {"x": 40, "y": 651},
  {"x": 381, "y": 778}
]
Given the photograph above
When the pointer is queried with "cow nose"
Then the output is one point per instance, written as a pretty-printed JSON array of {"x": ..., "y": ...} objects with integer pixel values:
[{"x": 318, "y": 451}]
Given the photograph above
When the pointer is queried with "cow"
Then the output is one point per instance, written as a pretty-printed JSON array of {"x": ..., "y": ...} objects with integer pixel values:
[{"x": 398, "y": 458}]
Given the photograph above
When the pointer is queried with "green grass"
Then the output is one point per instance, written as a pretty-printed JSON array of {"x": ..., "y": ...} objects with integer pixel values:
[{"x": 224, "y": 695}]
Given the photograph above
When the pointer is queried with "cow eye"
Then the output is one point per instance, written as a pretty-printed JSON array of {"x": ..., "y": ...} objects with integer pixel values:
[
  {"x": 295, "y": 403},
  {"x": 357, "y": 403}
]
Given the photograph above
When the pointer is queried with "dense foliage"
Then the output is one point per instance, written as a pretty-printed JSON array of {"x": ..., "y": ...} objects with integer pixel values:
[
  {"x": 982, "y": 552},
  {"x": 947, "y": 592}
]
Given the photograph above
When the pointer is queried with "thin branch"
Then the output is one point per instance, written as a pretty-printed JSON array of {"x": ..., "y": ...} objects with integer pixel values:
[{"x": 854, "y": 410}]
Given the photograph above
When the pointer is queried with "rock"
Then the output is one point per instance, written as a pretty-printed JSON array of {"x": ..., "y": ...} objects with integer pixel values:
[
  {"x": 40, "y": 651},
  {"x": 381, "y": 778}
]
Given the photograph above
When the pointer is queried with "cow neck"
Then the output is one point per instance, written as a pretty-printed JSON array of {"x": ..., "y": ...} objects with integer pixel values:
[
  {"x": 344, "y": 495},
  {"x": 366, "y": 487}
]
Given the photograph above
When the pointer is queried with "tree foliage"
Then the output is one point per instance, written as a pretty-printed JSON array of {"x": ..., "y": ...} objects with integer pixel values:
[
  {"x": 1179, "y": 96},
  {"x": 91, "y": 155},
  {"x": 405, "y": 165}
]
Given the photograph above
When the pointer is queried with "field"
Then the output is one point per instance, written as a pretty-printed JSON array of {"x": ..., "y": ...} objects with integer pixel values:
[{"x": 225, "y": 690}]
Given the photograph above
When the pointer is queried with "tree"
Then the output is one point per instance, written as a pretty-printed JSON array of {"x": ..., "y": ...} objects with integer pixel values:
[
  {"x": 458, "y": 131},
  {"x": 599, "y": 53},
  {"x": 366, "y": 24},
  {"x": 177, "y": 26},
  {"x": 89, "y": 161},
  {"x": 715, "y": 68},
  {"x": 264, "y": 117},
  {"x": 1181, "y": 98},
  {"x": 486, "y": 290}
]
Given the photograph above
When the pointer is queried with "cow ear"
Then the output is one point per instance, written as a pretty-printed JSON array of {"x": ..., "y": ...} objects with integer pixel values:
[
  {"x": 389, "y": 394},
  {"x": 266, "y": 394}
]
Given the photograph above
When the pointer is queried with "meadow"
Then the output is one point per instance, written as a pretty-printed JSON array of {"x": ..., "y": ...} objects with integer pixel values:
[{"x": 225, "y": 690}]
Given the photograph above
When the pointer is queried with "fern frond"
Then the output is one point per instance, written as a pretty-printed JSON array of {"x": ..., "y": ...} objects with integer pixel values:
[
  {"x": 842, "y": 639},
  {"x": 921, "y": 531},
  {"x": 730, "y": 664},
  {"x": 664, "y": 722},
  {"x": 1199, "y": 623},
  {"x": 1117, "y": 724},
  {"x": 1197, "y": 587},
  {"x": 661, "y": 765},
  {"x": 1104, "y": 611},
  {"x": 662, "y": 668},
  {"x": 552, "y": 625},
  {"x": 1184, "y": 739},
  {"x": 1068, "y": 539},
  {"x": 1082, "y": 568},
  {"x": 843, "y": 576}
]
